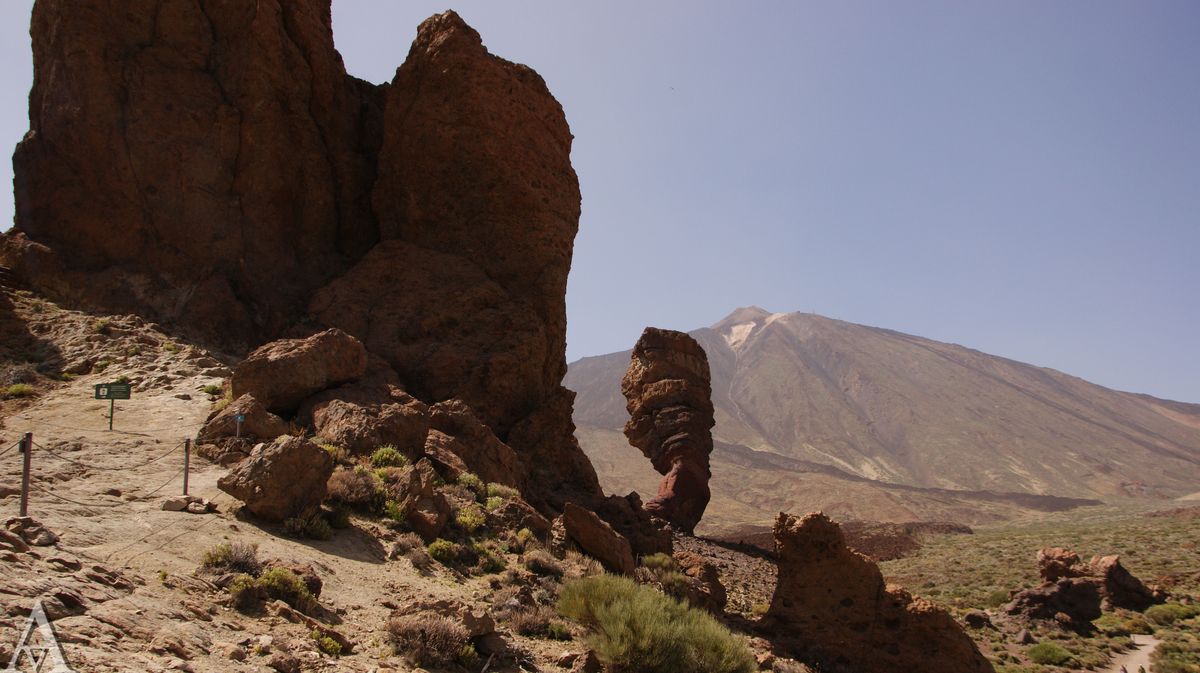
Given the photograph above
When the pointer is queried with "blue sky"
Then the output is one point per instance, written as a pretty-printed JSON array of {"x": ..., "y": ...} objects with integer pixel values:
[{"x": 1018, "y": 177}]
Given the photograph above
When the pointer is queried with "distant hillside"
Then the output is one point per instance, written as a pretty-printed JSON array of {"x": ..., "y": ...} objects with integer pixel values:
[{"x": 864, "y": 421}]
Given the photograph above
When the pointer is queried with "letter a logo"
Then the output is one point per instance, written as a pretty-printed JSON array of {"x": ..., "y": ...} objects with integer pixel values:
[{"x": 38, "y": 650}]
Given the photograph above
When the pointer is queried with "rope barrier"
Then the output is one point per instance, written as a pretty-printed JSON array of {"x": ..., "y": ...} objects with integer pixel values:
[
  {"x": 123, "y": 468},
  {"x": 168, "y": 483},
  {"x": 15, "y": 445},
  {"x": 43, "y": 491},
  {"x": 140, "y": 432},
  {"x": 156, "y": 531}
]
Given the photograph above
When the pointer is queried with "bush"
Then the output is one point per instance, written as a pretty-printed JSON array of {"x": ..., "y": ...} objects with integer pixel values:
[
  {"x": 314, "y": 527},
  {"x": 638, "y": 629},
  {"x": 1169, "y": 613},
  {"x": 489, "y": 560},
  {"x": 18, "y": 373},
  {"x": 471, "y": 518},
  {"x": 357, "y": 488},
  {"x": 245, "y": 592},
  {"x": 326, "y": 644},
  {"x": 393, "y": 511},
  {"x": 443, "y": 551},
  {"x": 675, "y": 584},
  {"x": 522, "y": 540},
  {"x": 474, "y": 483},
  {"x": 502, "y": 491},
  {"x": 659, "y": 563},
  {"x": 236, "y": 557},
  {"x": 213, "y": 389},
  {"x": 539, "y": 622},
  {"x": 542, "y": 563},
  {"x": 284, "y": 585},
  {"x": 996, "y": 598},
  {"x": 388, "y": 456},
  {"x": 428, "y": 639},
  {"x": 1049, "y": 654},
  {"x": 337, "y": 453},
  {"x": 493, "y": 503},
  {"x": 19, "y": 390}
]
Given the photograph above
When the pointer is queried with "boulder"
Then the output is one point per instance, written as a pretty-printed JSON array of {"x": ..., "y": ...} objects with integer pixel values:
[
  {"x": 282, "y": 479},
  {"x": 668, "y": 394},
  {"x": 459, "y": 432},
  {"x": 832, "y": 608},
  {"x": 258, "y": 423},
  {"x": 364, "y": 416},
  {"x": 707, "y": 591},
  {"x": 427, "y": 510},
  {"x": 281, "y": 374},
  {"x": 515, "y": 514},
  {"x": 598, "y": 539},
  {"x": 646, "y": 534}
]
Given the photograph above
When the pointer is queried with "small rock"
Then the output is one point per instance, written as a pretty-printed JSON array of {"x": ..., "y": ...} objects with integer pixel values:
[
  {"x": 175, "y": 503},
  {"x": 183, "y": 396},
  {"x": 114, "y": 492},
  {"x": 1024, "y": 637},
  {"x": 284, "y": 662},
  {"x": 588, "y": 663},
  {"x": 977, "y": 619},
  {"x": 68, "y": 564},
  {"x": 198, "y": 507},
  {"x": 567, "y": 658}
]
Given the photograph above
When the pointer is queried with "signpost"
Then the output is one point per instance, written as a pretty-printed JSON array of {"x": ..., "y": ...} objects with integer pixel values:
[
  {"x": 240, "y": 418},
  {"x": 112, "y": 392}
]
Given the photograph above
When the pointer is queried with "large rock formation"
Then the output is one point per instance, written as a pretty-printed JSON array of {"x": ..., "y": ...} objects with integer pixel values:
[
  {"x": 212, "y": 166},
  {"x": 669, "y": 397},
  {"x": 1075, "y": 593},
  {"x": 832, "y": 608}
]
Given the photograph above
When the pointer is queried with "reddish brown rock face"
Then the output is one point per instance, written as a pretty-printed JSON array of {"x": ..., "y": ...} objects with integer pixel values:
[
  {"x": 669, "y": 397},
  {"x": 832, "y": 608},
  {"x": 211, "y": 166}
]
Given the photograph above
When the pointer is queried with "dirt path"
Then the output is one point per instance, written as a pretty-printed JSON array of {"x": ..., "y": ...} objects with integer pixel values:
[{"x": 1138, "y": 656}]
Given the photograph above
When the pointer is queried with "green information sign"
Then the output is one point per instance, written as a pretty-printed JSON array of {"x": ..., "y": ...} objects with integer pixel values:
[{"x": 113, "y": 391}]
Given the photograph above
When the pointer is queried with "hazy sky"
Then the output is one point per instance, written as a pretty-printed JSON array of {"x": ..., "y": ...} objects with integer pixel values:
[{"x": 1019, "y": 177}]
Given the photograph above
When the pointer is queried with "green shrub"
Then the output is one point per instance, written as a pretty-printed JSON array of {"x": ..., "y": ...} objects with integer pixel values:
[
  {"x": 1049, "y": 654},
  {"x": 502, "y": 491},
  {"x": 471, "y": 518},
  {"x": 245, "y": 592},
  {"x": 314, "y": 527},
  {"x": 284, "y": 585},
  {"x": 338, "y": 517},
  {"x": 493, "y": 503},
  {"x": 388, "y": 456},
  {"x": 489, "y": 561},
  {"x": 236, "y": 557},
  {"x": 19, "y": 390},
  {"x": 121, "y": 379},
  {"x": 326, "y": 644},
  {"x": 393, "y": 511},
  {"x": 170, "y": 347},
  {"x": 338, "y": 454},
  {"x": 99, "y": 366},
  {"x": 523, "y": 539},
  {"x": 467, "y": 657},
  {"x": 539, "y": 622},
  {"x": 635, "y": 628},
  {"x": 675, "y": 584},
  {"x": 213, "y": 389},
  {"x": 443, "y": 551},
  {"x": 474, "y": 483},
  {"x": 996, "y": 598},
  {"x": 659, "y": 563},
  {"x": 1169, "y": 613}
]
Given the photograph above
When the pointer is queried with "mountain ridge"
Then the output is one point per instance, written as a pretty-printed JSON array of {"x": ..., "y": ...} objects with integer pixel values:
[{"x": 900, "y": 409}]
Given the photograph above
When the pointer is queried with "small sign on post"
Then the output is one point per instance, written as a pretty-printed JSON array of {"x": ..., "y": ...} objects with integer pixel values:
[
  {"x": 113, "y": 392},
  {"x": 239, "y": 419}
]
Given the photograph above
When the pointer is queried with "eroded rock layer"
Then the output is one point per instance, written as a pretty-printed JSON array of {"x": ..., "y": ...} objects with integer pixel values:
[
  {"x": 668, "y": 394},
  {"x": 831, "y": 607},
  {"x": 212, "y": 166}
]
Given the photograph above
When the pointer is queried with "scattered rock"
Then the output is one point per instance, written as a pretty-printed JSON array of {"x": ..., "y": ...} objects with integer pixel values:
[
  {"x": 646, "y": 534},
  {"x": 669, "y": 397},
  {"x": 31, "y": 531},
  {"x": 281, "y": 374},
  {"x": 831, "y": 605},
  {"x": 595, "y": 537},
  {"x": 282, "y": 479},
  {"x": 284, "y": 662},
  {"x": 364, "y": 416},
  {"x": 427, "y": 509}
]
